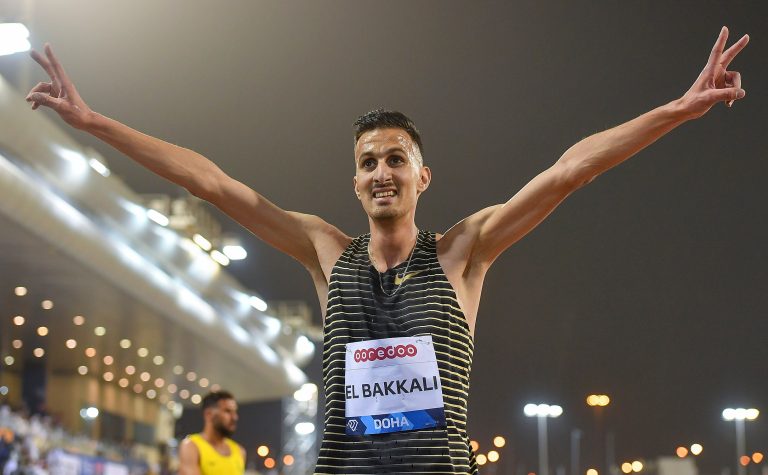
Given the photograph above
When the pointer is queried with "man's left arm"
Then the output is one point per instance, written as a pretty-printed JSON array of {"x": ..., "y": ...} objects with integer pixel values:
[
  {"x": 498, "y": 227},
  {"x": 244, "y": 454}
]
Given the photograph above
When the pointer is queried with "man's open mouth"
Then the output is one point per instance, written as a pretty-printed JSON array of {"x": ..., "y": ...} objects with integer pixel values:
[{"x": 384, "y": 194}]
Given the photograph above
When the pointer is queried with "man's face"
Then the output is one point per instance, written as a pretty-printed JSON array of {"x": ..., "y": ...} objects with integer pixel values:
[
  {"x": 223, "y": 417},
  {"x": 389, "y": 175}
]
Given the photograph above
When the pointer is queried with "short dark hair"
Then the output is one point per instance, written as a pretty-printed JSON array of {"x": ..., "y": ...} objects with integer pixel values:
[
  {"x": 383, "y": 119},
  {"x": 212, "y": 398}
]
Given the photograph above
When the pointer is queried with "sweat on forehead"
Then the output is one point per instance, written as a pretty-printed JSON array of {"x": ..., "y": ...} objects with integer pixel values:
[{"x": 386, "y": 141}]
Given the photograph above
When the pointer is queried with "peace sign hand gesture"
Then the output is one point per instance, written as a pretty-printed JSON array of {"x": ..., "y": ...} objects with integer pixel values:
[
  {"x": 59, "y": 94},
  {"x": 716, "y": 83}
]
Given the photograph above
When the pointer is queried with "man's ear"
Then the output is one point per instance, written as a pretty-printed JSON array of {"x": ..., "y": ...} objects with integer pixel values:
[
  {"x": 357, "y": 192},
  {"x": 425, "y": 177}
]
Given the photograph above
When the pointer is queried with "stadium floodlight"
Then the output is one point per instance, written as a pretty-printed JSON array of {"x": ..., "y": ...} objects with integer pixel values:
[{"x": 14, "y": 38}]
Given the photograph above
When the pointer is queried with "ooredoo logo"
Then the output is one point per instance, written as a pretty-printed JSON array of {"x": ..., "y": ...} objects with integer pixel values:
[{"x": 385, "y": 353}]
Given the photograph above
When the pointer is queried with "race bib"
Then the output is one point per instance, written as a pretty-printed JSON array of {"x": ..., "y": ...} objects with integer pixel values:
[{"x": 392, "y": 385}]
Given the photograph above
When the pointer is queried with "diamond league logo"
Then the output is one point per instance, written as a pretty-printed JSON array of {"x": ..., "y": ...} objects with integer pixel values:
[{"x": 352, "y": 424}]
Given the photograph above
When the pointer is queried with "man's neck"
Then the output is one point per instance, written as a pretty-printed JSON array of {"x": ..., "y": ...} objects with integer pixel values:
[
  {"x": 391, "y": 243},
  {"x": 212, "y": 436}
]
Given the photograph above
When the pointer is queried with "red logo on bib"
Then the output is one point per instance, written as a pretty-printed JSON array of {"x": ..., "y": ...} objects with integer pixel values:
[{"x": 385, "y": 353}]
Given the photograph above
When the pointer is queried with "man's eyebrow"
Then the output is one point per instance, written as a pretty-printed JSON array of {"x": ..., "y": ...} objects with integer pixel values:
[{"x": 396, "y": 148}]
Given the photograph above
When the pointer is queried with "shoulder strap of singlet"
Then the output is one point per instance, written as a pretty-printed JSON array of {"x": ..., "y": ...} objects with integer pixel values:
[
  {"x": 234, "y": 449},
  {"x": 203, "y": 447}
]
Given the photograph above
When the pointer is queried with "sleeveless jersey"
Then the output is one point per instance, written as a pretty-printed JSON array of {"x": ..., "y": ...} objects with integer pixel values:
[
  {"x": 213, "y": 463},
  {"x": 358, "y": 311}
]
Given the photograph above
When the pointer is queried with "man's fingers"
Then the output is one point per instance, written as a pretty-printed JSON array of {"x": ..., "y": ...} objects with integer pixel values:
[
  {"x": 42, "y": 61},
  {"x": 717, "y": 50},
  {"x": 732, "y": 79},
  {"x": 61, "y": 75},
  {"x": 726, "y": 95},
  {"x": 42, "y": 87},
  {"x": 42, "y": 99},
  {"x": 731, "y": 52}
]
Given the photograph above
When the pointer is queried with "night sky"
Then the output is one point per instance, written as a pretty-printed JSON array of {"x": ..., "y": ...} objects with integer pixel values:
[{"x": 649, "y": 285}]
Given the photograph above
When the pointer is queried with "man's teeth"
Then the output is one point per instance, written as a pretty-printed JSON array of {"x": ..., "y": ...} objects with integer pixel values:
[{"x": 383, "y": 194}]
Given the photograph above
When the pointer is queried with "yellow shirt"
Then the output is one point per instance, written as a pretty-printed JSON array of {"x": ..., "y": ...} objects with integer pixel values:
[{"x": 213, "y": 463}]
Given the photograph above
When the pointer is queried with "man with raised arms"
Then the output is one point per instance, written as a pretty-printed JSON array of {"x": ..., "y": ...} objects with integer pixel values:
[{"x": 399, "y": 303}]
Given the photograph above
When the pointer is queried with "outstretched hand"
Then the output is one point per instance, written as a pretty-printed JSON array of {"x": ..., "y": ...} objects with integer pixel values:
[
  {"x": 59, "y": 94},
  {"x": 716, "y": 83}
]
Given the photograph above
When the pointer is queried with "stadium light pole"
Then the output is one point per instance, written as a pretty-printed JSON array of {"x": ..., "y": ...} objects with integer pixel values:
[
  {"x": 542, "y": 412},
  {"x": 739, "y": 415}
]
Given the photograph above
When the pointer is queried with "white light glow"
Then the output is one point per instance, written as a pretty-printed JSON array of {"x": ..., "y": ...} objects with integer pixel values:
[
  {"x": 304, "y": 347},
  {"x": 14, "y": 38},
  {"x": 542, "y": 410},
  {"x": 696, "y": 449},
  {"x": 740, "y": 414},
  {"x": 304, "y": 428},
  {"x": 258, "y": 304},
  {"x": 235, "y": 253},
  {"x": 219, "y": 257},
  {"x": 100, "y": 168},
  {"x": 158, "y": 217},
  {"x": 303, "y": 394},
  {"x": 202, "y": 242}
]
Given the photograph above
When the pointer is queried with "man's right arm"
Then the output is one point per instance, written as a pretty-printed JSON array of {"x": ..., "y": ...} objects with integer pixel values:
[
  {"x": 189, "y": 458},
  {"x": 310, "y": 240},
  {"x": 292, "y": 233}
]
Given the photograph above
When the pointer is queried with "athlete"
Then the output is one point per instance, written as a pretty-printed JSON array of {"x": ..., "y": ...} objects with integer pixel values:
[
  {"x": 399, "y": 303},
  {"x": 212, "y": 451}
]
